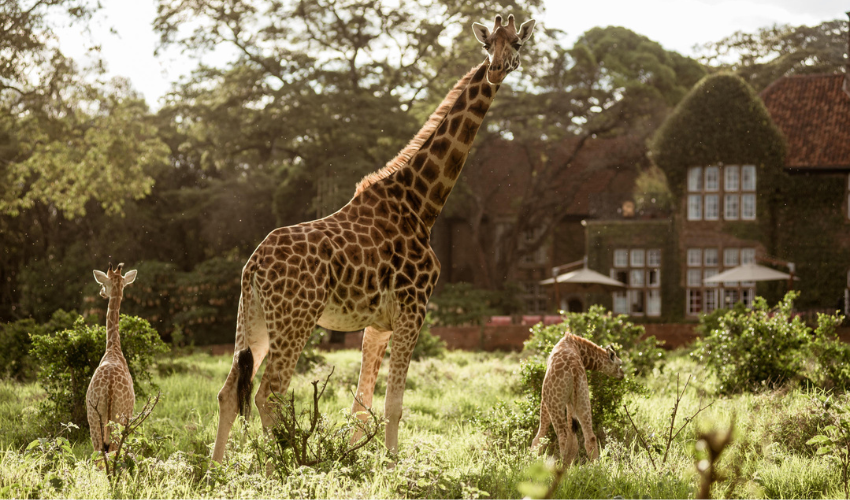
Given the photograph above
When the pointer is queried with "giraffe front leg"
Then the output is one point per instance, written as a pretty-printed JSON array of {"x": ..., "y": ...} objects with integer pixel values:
[
  {"x": 405, "y": 336},
  {"x": 545, "y": 422},
  {"x": 374, "y": 347}
]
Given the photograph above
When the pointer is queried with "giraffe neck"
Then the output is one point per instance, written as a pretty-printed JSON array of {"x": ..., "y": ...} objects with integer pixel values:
[
  {"x": 592, "y": 355},
  {"x": 113, "y": 337},
  {"x": 431, "y": 174}
]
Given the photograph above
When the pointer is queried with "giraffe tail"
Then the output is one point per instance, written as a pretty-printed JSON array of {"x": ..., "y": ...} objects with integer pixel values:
[{"x": 244, "y": 381}]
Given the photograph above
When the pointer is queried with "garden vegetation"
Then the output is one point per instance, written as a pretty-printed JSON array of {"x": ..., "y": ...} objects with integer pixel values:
[{"x": 468, "y": 422}]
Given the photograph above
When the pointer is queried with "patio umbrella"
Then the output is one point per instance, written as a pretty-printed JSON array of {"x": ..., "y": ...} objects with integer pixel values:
[
  {"x": 584, "y": 280},
  {"x": 748, "y": 272}
]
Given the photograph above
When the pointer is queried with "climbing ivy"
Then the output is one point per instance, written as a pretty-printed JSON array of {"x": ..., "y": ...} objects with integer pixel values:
[{"x": 721, "y": 121}]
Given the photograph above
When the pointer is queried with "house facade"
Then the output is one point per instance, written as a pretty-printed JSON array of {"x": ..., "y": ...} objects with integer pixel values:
[{"x": 727, "y": 216}]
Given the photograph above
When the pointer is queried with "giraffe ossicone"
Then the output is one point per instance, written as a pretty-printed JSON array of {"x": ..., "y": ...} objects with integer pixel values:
[
  {"x": 110, "y": 396},
  {"x": 368, "y": 266},
  {"x": 565, "y": 399}
]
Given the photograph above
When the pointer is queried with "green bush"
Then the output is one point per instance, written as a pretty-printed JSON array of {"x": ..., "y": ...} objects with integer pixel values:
[
  {"x": 607, "y": 395},
  {"x": 68, "y": 359},
  {"x": 462, "y": 304},
  {"x": 758, "y": 347},
  {"x": 16, "y": 341}
]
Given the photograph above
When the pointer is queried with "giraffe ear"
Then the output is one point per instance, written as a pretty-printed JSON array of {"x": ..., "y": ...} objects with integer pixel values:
[
  {"x": 481, "y": 32},
  {"x": 100, "y": 277},
  {"x": 129, "y": 277},
  {"x": 525, "y": 30}
]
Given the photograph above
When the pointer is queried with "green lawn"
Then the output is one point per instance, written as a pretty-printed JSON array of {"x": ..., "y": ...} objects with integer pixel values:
[{"x": 444, "y": 452}]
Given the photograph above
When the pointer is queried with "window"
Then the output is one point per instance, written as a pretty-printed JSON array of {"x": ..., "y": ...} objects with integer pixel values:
[
  {"x": 621, "y": 258},
  {"x": 703, "y": 263},
  {"x": 637, "y": 268},
  {"x": 710, "y": 255},
  {"x": 731, "y": 177},
  {"x": 637, "y": 278},
  {"x": 730, "y": 257},
  {"x": 710, "y": 300},
  {"x": 708, "y": 273},
  {"x": 653, "y": 258},
  {"x": 694, "y": 207},
  {"x": 694, "y": 277},
  {"x": 748, "y": 178},
  {"x": 653, "y": 278},
  {"x": 694, "y": 256},
  {"x": 712, "y": 178},
  {"x": 695, "y": 179},
  {"x": 621, "y": 303},
  {"x": 637, "y": 256},
  {"x": 712, "y": 207},
  {"x": 706, "y": 193},
  {"x": 636, "y": 303},
  {"x": 748, "y": 206},
  {"x": 731, "y": 207},
  {"x": 694, "y": 302},
  {"x": 653, "y": 303}
]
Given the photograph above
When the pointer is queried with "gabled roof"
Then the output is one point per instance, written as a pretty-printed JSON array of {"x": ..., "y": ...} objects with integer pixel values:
[{"x": 813, "y": 113}]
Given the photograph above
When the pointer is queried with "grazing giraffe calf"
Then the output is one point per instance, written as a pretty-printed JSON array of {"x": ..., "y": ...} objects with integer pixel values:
[
  {"x": 565, "y": 396},
  {"x": 110, "y": 395}
]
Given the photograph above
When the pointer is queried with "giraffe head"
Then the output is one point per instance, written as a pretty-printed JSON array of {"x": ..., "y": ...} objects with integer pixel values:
[
  {"x": 613, "y": 365},
  {"x": 112, "y": 280},
  {"x": 502, "y": 45}
]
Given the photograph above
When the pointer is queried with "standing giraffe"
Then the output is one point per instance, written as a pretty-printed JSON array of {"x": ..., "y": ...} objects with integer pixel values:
[
  {"x": 369, "y": 265},
  {"x": 110, "y": 396},
  {"x": 565, "y": 400}
]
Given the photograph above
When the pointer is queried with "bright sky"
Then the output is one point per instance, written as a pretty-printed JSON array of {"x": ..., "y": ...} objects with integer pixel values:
[{"x": 676, "y": 24}]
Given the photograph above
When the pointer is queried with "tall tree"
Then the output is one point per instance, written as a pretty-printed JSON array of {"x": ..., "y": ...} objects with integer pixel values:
[
  {"x": 780, "y": 50},
  {"x": 612, "y": 82}
]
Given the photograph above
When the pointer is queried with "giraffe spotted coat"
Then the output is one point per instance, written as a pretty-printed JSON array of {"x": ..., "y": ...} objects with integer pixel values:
[
  {"x": 565, "y": 399},
  {"x": 368, "y": 266},
  {"x": 110, "y": 396}
]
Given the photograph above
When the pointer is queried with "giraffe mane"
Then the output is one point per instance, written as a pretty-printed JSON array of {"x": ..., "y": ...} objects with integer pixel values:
[{"x": 419, "y": 139}]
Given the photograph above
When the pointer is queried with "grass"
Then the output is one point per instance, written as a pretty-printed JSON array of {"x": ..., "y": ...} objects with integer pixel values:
[{"x": 445, "y": 452}]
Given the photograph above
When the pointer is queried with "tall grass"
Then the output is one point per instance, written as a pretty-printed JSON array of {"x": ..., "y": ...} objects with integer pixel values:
[{"x": 445, "y": 453}]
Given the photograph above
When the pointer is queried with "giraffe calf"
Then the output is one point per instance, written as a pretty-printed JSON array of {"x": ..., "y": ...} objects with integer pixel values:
[
  {"x": 110, "y": 396},
  {"x": 565, "y": 398}
]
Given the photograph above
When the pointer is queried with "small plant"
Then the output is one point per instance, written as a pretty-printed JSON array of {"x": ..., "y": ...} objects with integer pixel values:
[
  {"x": 712, "y": 444},
  {"x": 834, "y": 440},
  {"x": 68, "y": 359},
  {"x": 670, "y": 434},
  {"x": 121, "y": 459},
  {"x": 308, "y": 438}
]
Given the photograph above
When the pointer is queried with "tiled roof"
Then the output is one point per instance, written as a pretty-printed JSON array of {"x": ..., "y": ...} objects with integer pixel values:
[{"x": 813, "y": 113}]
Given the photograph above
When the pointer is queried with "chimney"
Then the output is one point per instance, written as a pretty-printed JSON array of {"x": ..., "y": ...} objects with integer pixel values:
[{"x": 846, "y": 86}]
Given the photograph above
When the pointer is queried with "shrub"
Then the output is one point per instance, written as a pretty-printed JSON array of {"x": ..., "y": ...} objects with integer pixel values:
[
  {"x": 761, "y": 346},
  {"x": 16, "y": 342},
  {"x": 461, "y": 303},
  {"x": 68, "y": 358}
]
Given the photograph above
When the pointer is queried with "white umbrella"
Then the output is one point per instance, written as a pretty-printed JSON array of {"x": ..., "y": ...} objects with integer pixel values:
[
  {"x": 748, "y": 272},
  {"x": 584, "y": 280}
]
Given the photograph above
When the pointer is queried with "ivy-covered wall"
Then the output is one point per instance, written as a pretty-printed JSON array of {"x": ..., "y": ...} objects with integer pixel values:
[{"x": 603, "y": 237}]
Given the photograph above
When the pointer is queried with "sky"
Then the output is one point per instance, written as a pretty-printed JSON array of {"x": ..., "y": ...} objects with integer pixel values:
[{"x": 124, "y": 30}]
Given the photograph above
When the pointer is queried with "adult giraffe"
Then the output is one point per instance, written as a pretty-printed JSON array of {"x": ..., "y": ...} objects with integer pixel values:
[{"x": 369, "y": 265}]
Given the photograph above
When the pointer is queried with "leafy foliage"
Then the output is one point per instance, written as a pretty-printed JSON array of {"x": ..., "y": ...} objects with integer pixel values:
[
  {"x": 780, "y": 50},
  {"x": 834, "y": 441},
  {"x": 721, "y": 120},
  {"x": 461, "y": 304},
  {"x": 748, "y": 349},
  {"x": 68, "y": 358},
  {"x": 16, "y": 342}
]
